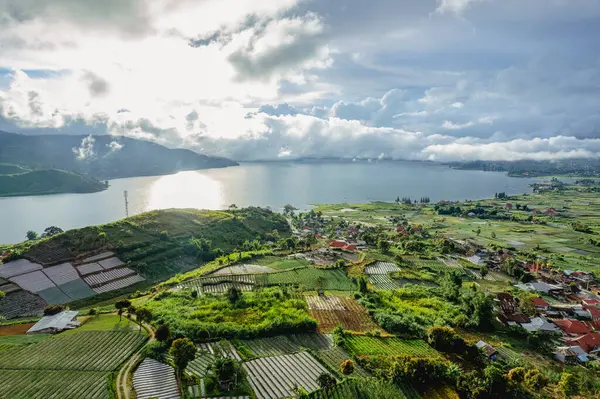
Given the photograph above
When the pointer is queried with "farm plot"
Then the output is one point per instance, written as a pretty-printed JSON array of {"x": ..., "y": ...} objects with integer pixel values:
[
  {"x": 222, "y": 288},
  {"x": 62, "y": 273},
  {"x": 19, "y": 266},
  {"x": 89, "y": 269},
  {"x": 101, "y": 256},
  {"x": 105, "y": 277},
  {"x": 8, "y": 288},
  {"x": 287, "y": 344},
  {"x": 310, "y": 278},
  {"x": 346, "y": 312},
  {"x": 21, "y": 304},
  {"x": 153, "y": 379},
  {"x": 76, "y": 289},
  {"x": 381, "y": 268},
  {"x": 242, "y": 269},
  {"x": 89, "y": 350},
  {"x": 335, "y": 356},
  {"x": 118, "y": 284},
  {"x": 33, "y": 282},
  {"x": 37, "y": 384},
  {"x": 363, "y": 345},
  {"x": 360, "y": 388},
  {"x": 54, "y": 296},
  {"x": 220, "y": 284},
  {"x": 275, "y": 377},
  {"x": 223, "y": 348},
  {"x": 383, "y": 282},
  {"x": 110, "y": 263}
]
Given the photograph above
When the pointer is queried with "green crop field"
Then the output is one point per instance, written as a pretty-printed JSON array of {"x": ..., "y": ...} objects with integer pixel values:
[
  {"x": 286, "y": 344},
  {"x": 362, "y": 345},
  {"x": 88, "y": 350},
  {"x": 334, "y": 357},
  {"x": 310, "y": 278},
  {"x": 280, "y": 263},
  {"x": 105, "y": 322},
  {"x": 64, "y": 384},
  {"x": 359, "y": 388}
]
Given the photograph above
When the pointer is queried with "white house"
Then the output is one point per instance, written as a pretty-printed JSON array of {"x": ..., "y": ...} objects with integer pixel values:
[
  {"x": 570, "y": 354},
  {"x": 540, "y": 324},
  {"x": 54, "y": 324}
]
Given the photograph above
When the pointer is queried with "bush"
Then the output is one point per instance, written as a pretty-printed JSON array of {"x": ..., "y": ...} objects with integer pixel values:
[
  {"x": 53, "y": 309},
  {"x": 347, "y": 367},
  {"x": 92, "y": 312},
  {"x": 445, "y": 339},
  {"x": 534, "y": 380},
  {"x": 162, "y": 333},
  {"x": 568, "y": 384},
  {"x": 325, "y": 381}
]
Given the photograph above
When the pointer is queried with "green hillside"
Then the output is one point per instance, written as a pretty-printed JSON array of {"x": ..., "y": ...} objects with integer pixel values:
[{"x": 47, "y": 181}]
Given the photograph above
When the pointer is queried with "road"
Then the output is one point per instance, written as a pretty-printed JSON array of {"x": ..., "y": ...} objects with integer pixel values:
[{"x": 127, "y": 369}]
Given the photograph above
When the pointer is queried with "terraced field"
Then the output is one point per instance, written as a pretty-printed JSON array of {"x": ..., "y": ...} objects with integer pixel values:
[
  {"x": 381, "y": 268},
  {"x": 153, "y": 379},
  {"x": 275, "y": 377},
  {"x": 360, "y": 388},
  {"x": 312, "y": 279},
  {"x": 330, "y": 311},
  {"x": 383, "y": 282},
  {"x": 372, "y": 346},
  {"x": 42, "y": 384},
  {"x": 335, "y": 356},
  {"x": 287, "y": 344},
  {"x": 89, "y": 350}
]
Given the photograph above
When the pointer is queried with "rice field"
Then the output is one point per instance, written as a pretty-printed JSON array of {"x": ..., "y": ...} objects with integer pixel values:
[
  {"x": 372, "y": 346},
  {"x": 64, "y": 384},
  {"x": 275, "y": 377},
  {"x": 89, "y": 350},
  {"x": 153, "y": 379}
]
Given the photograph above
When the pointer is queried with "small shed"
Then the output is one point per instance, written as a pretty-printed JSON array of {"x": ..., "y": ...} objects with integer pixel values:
[
  {"x": 56, "y": 323},
  {"x": 488, "y": 349}
]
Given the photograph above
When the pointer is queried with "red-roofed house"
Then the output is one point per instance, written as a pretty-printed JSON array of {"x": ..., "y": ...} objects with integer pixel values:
[
  {"x": 539, "y": 303},
  {"x": 401, "y": 230},
  {"x": 594, "y": 312},
  {"x": 590, "y": 302},
  {"x": 572, "y": 327},
  {"x": 588, "y": 342},
  {"x": 337, "y": 244},
  {"x": 551, "y": 212},
  {"x": 508, "y": 205},
  {"x": 350, "y": 247}
]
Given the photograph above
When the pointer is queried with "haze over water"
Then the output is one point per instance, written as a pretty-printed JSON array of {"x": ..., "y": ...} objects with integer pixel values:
[{"x": 260, "y": 184}]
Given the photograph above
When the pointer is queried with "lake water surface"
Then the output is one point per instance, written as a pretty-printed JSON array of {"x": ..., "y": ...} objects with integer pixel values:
[{"x": 263, "y": 184}]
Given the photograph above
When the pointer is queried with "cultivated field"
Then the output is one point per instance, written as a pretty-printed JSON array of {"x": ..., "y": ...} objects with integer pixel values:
[
  {"x": 312, "y": 279},
  {"x": 287, "y": 344},
  {"x": 242, "y": 269},
  {"x": 381, "y": 268},
  {"x": 153, "y": 379},
  {"x": 330, "y": 311},
  {"x": 42, "y": 384},
  {"x": 360, "y": 388},
  {"x": 362, "y": 345},
  {"x": 383, "y": 282},
  {"x": 275, "y": 377},
  {"x": 88, "y": 350},
  {"x": 335, "y": 356}
]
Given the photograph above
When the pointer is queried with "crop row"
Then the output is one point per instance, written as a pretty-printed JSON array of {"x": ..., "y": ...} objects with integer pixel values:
[
  {"x": 311, "y": 278},
  {"x": 85, "y": 350},
  {"x": 287, "y": 344},
  {"x": 275, "y": 377},
  {"x": 334, "y": 357},
  {"x": 359, "y": 388},
  {"x": 363, "y": 345},
  {"x": 64, "y": 384},
  {"x": 381, "y": 268},
  {"x": 153, "y": 379},
  {"x": 382, "y": 282}
]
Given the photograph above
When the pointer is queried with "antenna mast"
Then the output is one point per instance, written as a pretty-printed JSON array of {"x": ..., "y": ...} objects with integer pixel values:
[{"x": 126, "y": 203}]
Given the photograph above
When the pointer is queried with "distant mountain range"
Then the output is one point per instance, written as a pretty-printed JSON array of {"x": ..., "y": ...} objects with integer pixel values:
[{"x": 101, "y": 157}]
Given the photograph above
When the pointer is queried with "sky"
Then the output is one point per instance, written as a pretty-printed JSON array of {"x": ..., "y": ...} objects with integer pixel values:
[{"x": 442, "y": 80}]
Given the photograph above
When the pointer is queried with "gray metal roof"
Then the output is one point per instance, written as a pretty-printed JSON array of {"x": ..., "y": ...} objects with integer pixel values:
[{"x": 59, "y": 321}]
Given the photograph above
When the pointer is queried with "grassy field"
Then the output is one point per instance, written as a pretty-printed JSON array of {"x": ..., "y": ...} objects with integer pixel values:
[{"x": 105, "y": 322}]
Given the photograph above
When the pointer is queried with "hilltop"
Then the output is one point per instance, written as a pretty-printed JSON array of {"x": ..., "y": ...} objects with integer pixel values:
[{"x": 102, "y": 157}]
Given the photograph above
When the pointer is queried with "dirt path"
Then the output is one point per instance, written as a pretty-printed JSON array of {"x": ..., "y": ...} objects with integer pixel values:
[{"x": 127, "y": 369}]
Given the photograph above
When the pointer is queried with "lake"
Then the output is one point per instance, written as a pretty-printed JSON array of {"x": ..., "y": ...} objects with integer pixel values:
[{"x": 264, "y": 184}]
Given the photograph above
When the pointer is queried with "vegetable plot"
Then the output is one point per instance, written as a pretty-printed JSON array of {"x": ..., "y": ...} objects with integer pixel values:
[
  {"x": 275, "y": 377},
  {"x": 153, "y": 379},
  {"x": 287, "y": 344},
  {"x": 363, "y": 345},
  {"x": 64, "y": 384},
  {"x": 359, "y": 388},
  {"x": 331, "y": 311}
]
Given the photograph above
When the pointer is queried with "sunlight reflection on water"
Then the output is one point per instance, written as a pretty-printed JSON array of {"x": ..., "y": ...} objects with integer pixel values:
[{"x": 185, "y": 190}]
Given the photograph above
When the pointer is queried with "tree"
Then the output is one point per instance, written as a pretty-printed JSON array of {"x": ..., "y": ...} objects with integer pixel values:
[
  {"x": 31, "y": 235},
  {"x": 450, "y": 286},
  {"x": 131, "y": 310},
  {"x": 347, "y": 367},
  {"x": 534, "y": 380},
  {"x": 183, "y": 351},
  {"x": 234, "y": 295},
  {"x": 52, "y": 231},
  {"x": 53, "y": 309},
  {"x": 362, "y": 285},
  {"x": 232, "y": 207},
  {"x": 383, "y": 245},
  {"x": 122, "y": 304},
  {"x": 568, "y": 384},
  {"x": 484, "y": 271},
  {"x": 162, "y": 332},
  {"x": 143, "y": 315},
  {"x": 325, "y": 380},
  {"x": 445, "y": 339},
  {"x": 340, "y": 263},
  {"x": 516, "y": 375},
  {"x": 339, "y": 335},
  {"x": 289, "y": 209},
  {"x": 227, "y": 372},
  {"x": 493, "y": 235}
]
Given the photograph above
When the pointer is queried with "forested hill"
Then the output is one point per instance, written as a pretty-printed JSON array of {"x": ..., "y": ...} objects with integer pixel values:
[
  {"x": 102, "y": 157},
  {"x": 47, "y": 181}
]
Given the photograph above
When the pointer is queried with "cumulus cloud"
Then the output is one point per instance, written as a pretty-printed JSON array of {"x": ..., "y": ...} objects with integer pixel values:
[
  {"x": 114, "y": 146},
  {"x": 455, "y": 6},
  {"x": 85, "y": 151}
]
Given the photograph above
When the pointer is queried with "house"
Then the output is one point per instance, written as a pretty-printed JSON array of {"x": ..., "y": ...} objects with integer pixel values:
[
  {"x": 350, "y": 247},
  {"x": 540, "y": 304},
  {"x": 540, "y": 287},
  {"x": 540, "y": 324},
  {"x": 589, "y": 342},
  {"x": 337, "y": 244},
  {"x": 507, "y": 303},
  {"x": 508, "y": 205},
  {"x": 594, "y": 312},
  {"x": 570, "y": 354},
  {"x": 487, "y": 348},
  {"x": 590, "y": 302},
  {"x": 550, "y": 212},
  {"x": 56, "y": 323},
  {"x": 572, "y": 327}
]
